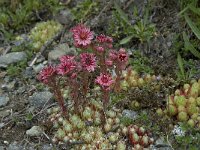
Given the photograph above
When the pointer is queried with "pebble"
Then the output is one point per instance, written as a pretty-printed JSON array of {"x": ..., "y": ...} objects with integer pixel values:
[
  {"x": 38, "y": 68},
  {"x": 34, "y": 131},
  {"x": 129, "y": 114},
  {"x": 4, "y": 101},
  {"x": 60, "y": 50},
  {"x": 38, "y": 99},
  {"x": 12, "y": 58}
]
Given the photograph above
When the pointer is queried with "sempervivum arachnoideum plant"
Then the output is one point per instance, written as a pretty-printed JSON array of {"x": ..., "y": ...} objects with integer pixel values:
[
  {"x": 131, "y": 78},
  {"x": 75, "y": 72},
  {"x": 42, "y": 32},
  {"x": 86, "y": 119},
  {"x": 184, "y": 104},
  {"x": 86, "y": 127},
  {"x": 139, "y": 137}
]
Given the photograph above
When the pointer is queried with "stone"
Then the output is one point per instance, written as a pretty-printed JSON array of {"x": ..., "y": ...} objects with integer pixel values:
[
  {"x": 9, "y": 86},
  {"x": 11, "y": 58},
  {"x": 60, "y": 50},
  {"x": 129, "y": 114},
  {"x": 40, "y": 98},
  {"x": 4, "y": 101},
  {"x": 47, "y": 147},
  {"x": 4, "y": 113},
  {"x": 64, "y": 17},
  {"x": 160, "y": 144},
  {"x": 1, "y": 125},
  {"x": 38, "y": 68},
  {"x": 15, "y": 146},
  {"x": 34, "y": 131}
]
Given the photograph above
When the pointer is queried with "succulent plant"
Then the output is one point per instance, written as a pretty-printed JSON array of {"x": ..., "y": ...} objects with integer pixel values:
[
  {"x": 42, "y": 32},
  {"x": 139, "y": 137},
  {"x": 121, "y": 145},
  {"x": 132, "y": 79},
  {"x": 184, "y": 103}
]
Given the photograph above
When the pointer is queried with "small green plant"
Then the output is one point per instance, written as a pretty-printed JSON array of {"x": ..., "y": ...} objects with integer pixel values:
[
  {"x": 140, "y": 63},
  {"x": 126, "y": 121},
  {"x": 84, "y": 9},
  {"x": 190, "y": 12},
  {"x": 43, "y": 32},
  {"x": 142, "y": 30},
  {"x": 15, "y": 70},
  {"x": 190, "y": 140},
  {"x": 187, "y": 69},
  {"x": 16, "y": 14}
]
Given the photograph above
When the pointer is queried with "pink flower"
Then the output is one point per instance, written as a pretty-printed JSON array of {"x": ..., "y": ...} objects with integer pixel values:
[
  {"x": 74, "y": 75},
  {"x": 104, "y": 39},
  {"x": 113, "y": 55},
  {"x": 122, "y": 56},
  {"x": 88, "y": 61},
  {"x": 82, "y": 35},
  {"x": 46, "y": 74},
  {"x": 66, "y": 58},
  {"x": 66, "y": 67},
  {"x": 110, "y": 46},
  {"x": 109, "y": 62},
  {"x": 99, "y": 49},
  {"x": 105, "y": 80}
]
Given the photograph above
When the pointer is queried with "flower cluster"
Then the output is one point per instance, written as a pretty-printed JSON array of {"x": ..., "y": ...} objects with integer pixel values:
[
  {"x": 82, "y": 36},
  {"x": 47, "y": 74},
  {"x": 76, "y": 71}
]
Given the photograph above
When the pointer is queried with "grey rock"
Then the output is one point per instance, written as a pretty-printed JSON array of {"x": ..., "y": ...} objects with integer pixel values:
[
  {"x": 1, "y": 125},
  {"x": 39, "y": 99},
  {"x": 8, "y": 86},
  {"x": 2, "y": 148},
  {"x": 28, "y": 72},
  {"x": 47, "y": 147},
  {"x": 15, "y": 146},
  {"x": 45, "y": 62},
  {"x": 4, "y": 101},
  {"x": 38, "y": 68},
  {"x": 60, "y": 50},
  {"x": 64, "y": 17},
  {"x": 34, "y": 131},
  {"x": 129, "y": 114},
  {"x": 11, "y": 58},
  {"x": 4, "y": 113},
  {"x": 21, "y": 90},
  {"x": 160, "y": 144}
]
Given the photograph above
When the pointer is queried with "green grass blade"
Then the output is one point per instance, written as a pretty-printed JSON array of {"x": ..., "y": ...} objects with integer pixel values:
[
  {"x": 126, "y": 39},
  {"x": 122, "y": 14},
  {"x": 192, "y": 26},
  {"x": 189, "y": 46},
  {"x": 180, "y": 64},
  {"x": 195, "y": 10}
]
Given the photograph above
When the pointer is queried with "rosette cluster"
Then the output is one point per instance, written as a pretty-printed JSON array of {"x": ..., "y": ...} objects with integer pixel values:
[
  {"x": 184, "y": 104},
  {"x": 131, "y": 79},
  {"x": 43, "y": 32}
]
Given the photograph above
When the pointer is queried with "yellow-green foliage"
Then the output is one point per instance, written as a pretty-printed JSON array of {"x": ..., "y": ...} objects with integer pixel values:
[
  {"x": 132, "y": 79},
  {"x": 42, "y": 32},
  {"x": 15, "y": 14},
  {"x": 184, "y": 104}
]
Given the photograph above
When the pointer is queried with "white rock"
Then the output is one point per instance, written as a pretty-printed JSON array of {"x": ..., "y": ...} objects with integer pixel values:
[{"x": 34, "y": 131}]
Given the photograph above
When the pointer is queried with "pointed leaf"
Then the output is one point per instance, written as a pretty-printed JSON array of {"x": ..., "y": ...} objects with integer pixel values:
[
  {"x": 189, "y": 46},
  {"x": 122, "y": 14},
  {"x": 126, "y": 39},
  {"x": 192, "y": 26},
  {"x": 195, "y": 10},
  {"x": 180, "y": 64}
]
